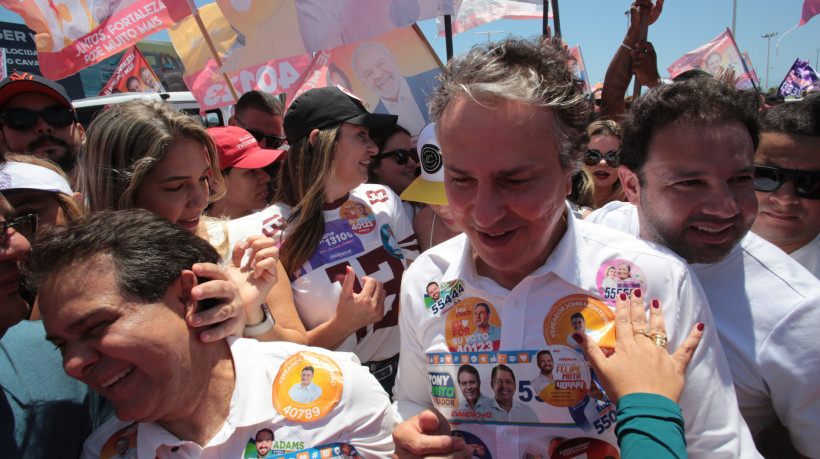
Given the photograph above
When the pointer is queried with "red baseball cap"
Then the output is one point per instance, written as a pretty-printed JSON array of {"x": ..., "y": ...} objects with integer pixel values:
[{"x": 238, "y": 148}]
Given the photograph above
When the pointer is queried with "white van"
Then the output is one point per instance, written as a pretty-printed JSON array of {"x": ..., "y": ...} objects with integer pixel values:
[{"x": 183, "y": 101}]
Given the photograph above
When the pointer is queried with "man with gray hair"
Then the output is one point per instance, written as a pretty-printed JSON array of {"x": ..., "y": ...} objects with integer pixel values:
[{"x": 509, "y": 118}]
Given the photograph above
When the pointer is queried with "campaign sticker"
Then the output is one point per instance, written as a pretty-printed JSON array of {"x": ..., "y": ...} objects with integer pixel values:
[
  {"x": 440, "y": 297},
  {"x": 583, "y": 314},
  {"x": 581, "y": 447},
  {"x": 563, "y": 377},
  {"x": 473, "y": 325},
  {"x": 307, "y": 386},
  {"x": 359, "y": 216},
  {"x": 389, "y": 242},
  {"x": 619, "y": 276},
  {"x": 480, "y": 450},
  {"x": 122, "y": 444},
  {"x": 338, "y": 243},
  {"x": 271, "y": 442}
]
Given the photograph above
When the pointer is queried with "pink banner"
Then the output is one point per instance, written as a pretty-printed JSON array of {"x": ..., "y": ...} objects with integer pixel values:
[
  {"x": 275, "y": 77},
  {"x": 811, "y": 8},
  {"x": 720, "y": 53},
  {"x": 133, "y": 74},
  {"x": 72, "y": 35}
]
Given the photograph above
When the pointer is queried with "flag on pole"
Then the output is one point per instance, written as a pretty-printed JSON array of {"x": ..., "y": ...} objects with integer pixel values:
[
  {"x": 72, "y": 35},
  {"x": 133, "y": 74},
  {"x": 719, "y": 53},
  {"x": 406, "y": 75},
  {"x": 202, "y": 76},
  {"x": 800, "y": 77},
  {"x": 577, "y": 67},
  {"x": 284, "y": 28},
  {"x": 473, "y": 13}
]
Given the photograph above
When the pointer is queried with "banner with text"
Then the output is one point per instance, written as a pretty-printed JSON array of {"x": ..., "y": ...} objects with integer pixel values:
[
  {"x": 72, "y": 35},
  {"x": 393, "y": 73},
  {"x": 202, "y": 77},
  {"x": 720, "y": 53},
  {"x": 473, "y": 13},
  {"x": 800, "y": 77},
  {"x": 133, "y": 74},
  {"x": 283, "y": 28}
]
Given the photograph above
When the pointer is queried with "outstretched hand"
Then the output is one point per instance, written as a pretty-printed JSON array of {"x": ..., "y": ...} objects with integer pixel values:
[{"x": 639, "y": 364}]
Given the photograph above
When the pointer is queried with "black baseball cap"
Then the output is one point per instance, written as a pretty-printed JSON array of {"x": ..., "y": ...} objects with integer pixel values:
[
  {"x": 20, "y": 82},
  {"x": 323, "y": 107}
]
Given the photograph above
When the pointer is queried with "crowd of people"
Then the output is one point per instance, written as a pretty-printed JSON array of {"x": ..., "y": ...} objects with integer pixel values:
[{"x": 524, "y": 280}]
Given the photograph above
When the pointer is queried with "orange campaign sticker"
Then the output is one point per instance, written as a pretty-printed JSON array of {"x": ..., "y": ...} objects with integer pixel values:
[
  {"x": 563, "y": 379},
  {"x": 307, "y": 386},
  {"x": 359, "y": 215},
  {"x": 122, "y": 444},
  {"x": 583, "y": 314},
  {"x": 473, "y": 325}
]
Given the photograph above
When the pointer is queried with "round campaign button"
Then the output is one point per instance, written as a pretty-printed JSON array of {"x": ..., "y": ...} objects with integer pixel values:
[
  {"x": 583, "y": 314},
  {"x": 122, "y": 444},
  {"x": 359, "y": 215},
  {"x": 619, "y": 276},
  {"x": 307, "y": 386}
]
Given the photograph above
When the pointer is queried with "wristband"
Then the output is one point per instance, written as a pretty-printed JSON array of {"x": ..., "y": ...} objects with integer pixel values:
[
  {"x": 267, "y": 323},
  {"x": 624, "y": 45}
]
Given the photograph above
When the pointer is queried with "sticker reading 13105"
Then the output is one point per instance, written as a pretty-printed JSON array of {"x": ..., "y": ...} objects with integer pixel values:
[{"x": 307, "y": 386}]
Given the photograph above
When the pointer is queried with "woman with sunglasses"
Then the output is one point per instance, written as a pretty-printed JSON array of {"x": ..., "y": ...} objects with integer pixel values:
[
  {"x": 603, "y": 140},
  {"x": 144, "y": 154},
  {"x": 396, "y": 165},
  {"x": 345, "y": 244}
]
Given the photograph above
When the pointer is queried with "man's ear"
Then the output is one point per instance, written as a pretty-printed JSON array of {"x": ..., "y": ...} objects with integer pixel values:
[
  {"x": 314, "y": 134},
  {"x": 80, "y": 132},
  {"x": 631, "y": 184},
  {"x": 179, "y": 296}
]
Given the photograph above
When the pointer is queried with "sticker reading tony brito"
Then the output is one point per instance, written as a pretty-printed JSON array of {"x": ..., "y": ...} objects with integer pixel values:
[
  {"x": 583, "y": 314},
  {"x": 307, "y": 386},
  {"x": 473, "y": 325},
  {"x": 618, "y": 276}
]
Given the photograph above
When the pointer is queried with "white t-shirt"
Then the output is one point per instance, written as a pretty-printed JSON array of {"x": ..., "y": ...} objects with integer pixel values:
[
  {"x": 809, "y": 256},
  {"x": 537, "y": 313},
  {"x": 766, "y": 308},
  {"x": 357, "y": 233},
  {"x": 361, "y": 417}
]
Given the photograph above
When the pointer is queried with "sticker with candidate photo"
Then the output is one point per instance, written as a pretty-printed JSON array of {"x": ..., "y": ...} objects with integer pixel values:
[
  {"x": 480, "y": 450},
  {"x": 473, "y": 325},
  {"x": 272, "y": 442},
  {"x": 389, "y": 242},
  {"x": 440, "y": 297},
  {"x": 359, "y": 216},
  {"x": 123, "y": 444},
  {"x": 550, "y": 387},
  {"x": 619, "y": 276},
  {"x": 560, "y": 447},
  {"x": 338, "y": 243},
  {"x": 307, "y": 386},
  {"x": 583, "y": 314}
]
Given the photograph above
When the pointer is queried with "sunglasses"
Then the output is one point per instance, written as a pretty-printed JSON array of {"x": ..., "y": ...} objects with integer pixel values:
[
  {"x": 21, "y": 119},
  {"x": 26, "y": 225},
  {"x": 593, "y": 157},
  {"x": 402, "y": 155},
  {"x": 271, "y": 141},
  {"x": 806, "y": 183}
]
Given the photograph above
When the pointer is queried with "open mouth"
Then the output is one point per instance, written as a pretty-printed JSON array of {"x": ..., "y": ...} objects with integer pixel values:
[{"x": 107, "y": 385}]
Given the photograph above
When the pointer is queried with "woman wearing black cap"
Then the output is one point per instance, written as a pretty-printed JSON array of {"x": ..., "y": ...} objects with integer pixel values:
[{"x": 345, "y": 243}]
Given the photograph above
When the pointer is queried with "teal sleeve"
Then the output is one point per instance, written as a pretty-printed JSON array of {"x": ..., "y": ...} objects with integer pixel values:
[{"x": 650, "y": 425}]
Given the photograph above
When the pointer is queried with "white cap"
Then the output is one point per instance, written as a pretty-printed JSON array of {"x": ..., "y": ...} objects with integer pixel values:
[
  {"x": 17, "y": 178},
  {"x": 429, "y": 186}
]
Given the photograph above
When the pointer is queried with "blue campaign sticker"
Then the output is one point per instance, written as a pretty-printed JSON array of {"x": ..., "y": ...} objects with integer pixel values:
[
  {"x": 389, "y": 241},
  {"x": 338, "y": 243},
  {"x": 480, "y": 450}
]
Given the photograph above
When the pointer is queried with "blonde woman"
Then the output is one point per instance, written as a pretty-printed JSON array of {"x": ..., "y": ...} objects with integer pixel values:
[
  {"x": 345, "y": 244},
  {"x": 145, "y": 154},
  {"x": 603, "y": 140}
]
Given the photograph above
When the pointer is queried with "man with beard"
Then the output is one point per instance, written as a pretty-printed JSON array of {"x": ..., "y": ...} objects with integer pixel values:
[
  {"x": 545, "y": 376},
  {"x": 687, "y": 168},
  {"x": 36, "y": 118}
]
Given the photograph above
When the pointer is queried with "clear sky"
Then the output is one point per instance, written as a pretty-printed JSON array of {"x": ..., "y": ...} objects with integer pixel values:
[{"x": 598, "y": 26}]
